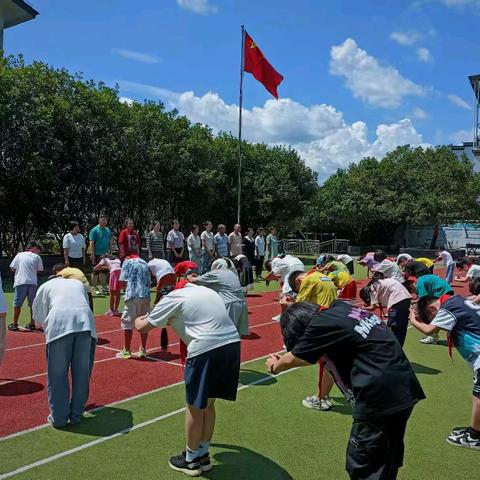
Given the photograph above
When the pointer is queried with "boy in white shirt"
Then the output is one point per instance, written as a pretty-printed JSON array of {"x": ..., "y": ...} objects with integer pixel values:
[
  {"x": 447, "y": 258},
  {"x": 26, "y": 265}
]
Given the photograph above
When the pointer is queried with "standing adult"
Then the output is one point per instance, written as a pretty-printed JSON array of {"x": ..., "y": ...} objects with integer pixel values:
[
  {"x": 235, "y": 241},
  {"x": 259, "y": 252},
  {"x": 100, "y": 244},
  {"x": 447, "y": 258},
  {"x": 221, "y": 241},
  {"x": 3, "y": 322},
  {"x": 61, "y": 306},
  {"x": 74, "y": 247},
  {"x": 175, "y": 243},
  {"x": 129, "y": 241},
  {"x": 271, "y": 244},
  {"x": 249, "y": 246},
  {"x": 155, "y": 241},
  {"x": 208, "y": 246},
  {"x": 194, "y": 245}
]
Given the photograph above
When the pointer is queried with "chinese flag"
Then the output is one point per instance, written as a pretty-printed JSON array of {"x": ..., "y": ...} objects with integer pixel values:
[{"x": 256, "y": 64}]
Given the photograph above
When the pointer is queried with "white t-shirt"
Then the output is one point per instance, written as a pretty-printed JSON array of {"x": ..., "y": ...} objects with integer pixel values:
[
  {"x": 345, "y": 259},
  {"x": 61, "y": 305},
  {"x": 235, "y": 241},
  {"x": 198, "y": 316},
  {"x": 284, "y": 267},
  {"x": 260, "y": 246},
  {"x": 75, "y": 244},
  {"x": 159, "y": 268},
  {"x": 390, "y": 270},
  {"x": 26, "y": 266},
  {"x": 473, "y": 272},
  {"x": 208, "y": 238},
  {"x": 447, "y": 258},
  {"x": 387, "y": 292},
  {"x": 193, "y": 243}
]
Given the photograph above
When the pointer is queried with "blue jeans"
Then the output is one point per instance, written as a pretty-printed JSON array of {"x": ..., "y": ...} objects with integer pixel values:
[
  {"x": 206, "y": 262},
  {"x": 75, "y": 352},
  {"x": 449, "y": 274}
]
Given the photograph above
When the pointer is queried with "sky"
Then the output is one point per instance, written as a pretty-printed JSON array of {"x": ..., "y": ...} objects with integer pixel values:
[{"x": 360, "y": 76}]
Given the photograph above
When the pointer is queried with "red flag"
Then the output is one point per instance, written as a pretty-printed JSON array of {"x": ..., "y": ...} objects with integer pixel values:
[{"x": 256, "y": 64}]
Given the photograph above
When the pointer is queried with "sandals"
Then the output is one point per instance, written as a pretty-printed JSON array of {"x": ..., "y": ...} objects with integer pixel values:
[
  {"x": 13, "y": 327},
  {"x": 30, "y": 326}
]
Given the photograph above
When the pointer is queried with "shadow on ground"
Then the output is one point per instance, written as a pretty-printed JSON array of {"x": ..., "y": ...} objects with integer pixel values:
[
  {"x": 423, "y": 369},
  {"x": 240, "y": 462},
  {"x": 103, "y": 422},
  {"x": 19, "y": 387}
]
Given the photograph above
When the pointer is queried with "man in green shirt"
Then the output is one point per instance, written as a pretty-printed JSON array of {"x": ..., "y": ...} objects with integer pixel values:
[{"x": 100, "y": 244}]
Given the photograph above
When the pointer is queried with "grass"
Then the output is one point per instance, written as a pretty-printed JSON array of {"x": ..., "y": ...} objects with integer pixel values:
[{"x": 266, "y": 434}]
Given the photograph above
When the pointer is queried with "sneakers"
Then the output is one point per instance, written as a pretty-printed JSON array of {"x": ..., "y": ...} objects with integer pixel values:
[
  {"x": 110, "y": 312},
  {"x": 105, "y": 291},
  {"x": 96, "y": 291},
  {"x": 30, "y": 326},
  {"x": 125, "y": 354},
  {"x": 464, "y": 439},
  {"x": 459, "y": 430},
  {"x": 142, "y": 353},
  {"x": 317, "y": 403},
  {"x": 13, "y": 327},
  {"x": 179, "y": 464},
  {"x": 116, "y": 313},
  {"x": 276, "y": 318},
  {"x": 205, "y": 463},
  {"x": 52, "y": 423},
  {"x": 430, "y": 340}
]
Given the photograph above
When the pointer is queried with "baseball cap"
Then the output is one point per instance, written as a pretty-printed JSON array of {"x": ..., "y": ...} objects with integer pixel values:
[{"x": 183, "y": 268}]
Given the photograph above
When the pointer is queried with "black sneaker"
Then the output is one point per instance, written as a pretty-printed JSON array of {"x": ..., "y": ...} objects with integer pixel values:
[
  {"x": 30, "y": 326},
  {"x": 205, "y": 462},
  {"x": 179, "y": 464},
  {"x": 13, "y": 327},
  {"x": 464, "y": 440},
  {"x": 459, "y": 430}
]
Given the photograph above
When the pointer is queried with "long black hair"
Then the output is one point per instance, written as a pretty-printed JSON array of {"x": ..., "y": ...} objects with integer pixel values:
[
  {"x": 294, "y": 321},
  {"x": 366, "y": 291}
]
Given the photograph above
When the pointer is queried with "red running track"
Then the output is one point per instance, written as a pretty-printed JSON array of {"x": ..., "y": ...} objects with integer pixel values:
[{"x": 23, "y": 393}]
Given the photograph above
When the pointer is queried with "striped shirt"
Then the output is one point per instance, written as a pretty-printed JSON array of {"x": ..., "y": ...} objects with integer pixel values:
[{"x": 155, "y": 244}]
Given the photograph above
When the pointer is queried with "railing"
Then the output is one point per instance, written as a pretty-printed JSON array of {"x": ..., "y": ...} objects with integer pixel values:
[{"x": 315, "y": 247}]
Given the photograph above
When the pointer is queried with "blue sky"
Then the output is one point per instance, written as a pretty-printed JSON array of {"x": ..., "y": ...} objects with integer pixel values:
[{"x": 361, "y": 77}]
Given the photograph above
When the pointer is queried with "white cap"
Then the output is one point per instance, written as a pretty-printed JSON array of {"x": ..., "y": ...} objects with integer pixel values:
[
  {"x": 404, "y": 256},
  {"x": 160, "y": 268}
]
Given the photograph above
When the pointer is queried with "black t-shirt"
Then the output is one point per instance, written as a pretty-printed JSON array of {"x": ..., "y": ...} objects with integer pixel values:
[
  {"x": 366, "y": 357},
  {"x": 416, "y": 268}
]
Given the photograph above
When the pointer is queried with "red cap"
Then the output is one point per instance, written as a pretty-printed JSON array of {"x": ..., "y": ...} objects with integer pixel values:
[{"x": 183, "y": 267}]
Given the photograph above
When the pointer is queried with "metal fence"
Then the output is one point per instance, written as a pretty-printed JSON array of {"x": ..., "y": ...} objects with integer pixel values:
[{"x": 315, "y": 247}]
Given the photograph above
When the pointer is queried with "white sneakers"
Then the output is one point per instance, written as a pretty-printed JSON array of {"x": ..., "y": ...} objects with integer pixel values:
[
  {"x": 430, "y": 340},
  {"x": 316, "y": 403}
]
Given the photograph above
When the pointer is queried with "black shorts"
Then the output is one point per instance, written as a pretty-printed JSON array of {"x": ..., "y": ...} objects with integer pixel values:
[
  {"x": 398, "y": 319},
  {"x": 375, "y": 448},
  {"x": 76, "y": 263},
  {"x": 213, "y": 374}
]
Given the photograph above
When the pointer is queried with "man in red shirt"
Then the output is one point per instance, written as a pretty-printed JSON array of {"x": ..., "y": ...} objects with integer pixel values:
[{"x": 129, "y": 242}]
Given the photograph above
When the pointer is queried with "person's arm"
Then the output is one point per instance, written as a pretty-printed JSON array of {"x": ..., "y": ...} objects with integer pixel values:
[
  {"x": 280, "y": 363},
  {"x": 425, "y": 328},
  {"x": 100, "y": 265},
  {"x": 165, "y": 309},
  {"x": 143, "y": 325},
  {"x": 461, "y": 279},
  {"x": 40, "y": 307},
  {"x": 121, "y": 246},
  {"x": 83, "y": 254},
  {"x": 65, "y": 250},
  {"x": 438, "y": 259},
  {"x": 149, "y": 242},
  {"x": 228, "y": 247}
]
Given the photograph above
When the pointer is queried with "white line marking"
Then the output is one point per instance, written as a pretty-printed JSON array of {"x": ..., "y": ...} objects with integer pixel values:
[{"x": 71, "y": 451}]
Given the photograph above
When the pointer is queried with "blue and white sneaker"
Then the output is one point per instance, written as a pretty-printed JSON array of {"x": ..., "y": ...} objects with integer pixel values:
[{"x": 464, "y": 440}]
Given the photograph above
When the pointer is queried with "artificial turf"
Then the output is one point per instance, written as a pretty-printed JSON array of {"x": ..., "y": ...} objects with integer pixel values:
[{"x": 266, "y": 434}]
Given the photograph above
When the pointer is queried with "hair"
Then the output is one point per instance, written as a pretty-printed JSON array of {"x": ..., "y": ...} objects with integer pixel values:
[
  {"x": 74, "y": 224},
  {"x": 422, "y": 305},
  {"x": 268, "y": 265},
  {"x": 379, "y": 256},
  {"x": 409, "y": 268},
  {"x": 220, "y": 225},
  {"x": 272, "y": 229},
  {"x": 366, "y": 291},
  {"x": 207, "y": 222},
  {"x": 410, "y": 286},
  {"x": 33, "y": 244},
  {"x": 295, "y": 320},
  {"x": 58, "y": 267},
  {"x": 292, "y": 279},
  {"x": 463, "y": 262},
  {"x": 474, "y": 286},
  {"x": 328, "y": 258},
  {"x": 103, "y": 215},
  {"x": 128, "y": 219},
  {"x": 194, "y": 227},
  {"x": 175, "y": 221},
  {"x": 155, "y": 222}
]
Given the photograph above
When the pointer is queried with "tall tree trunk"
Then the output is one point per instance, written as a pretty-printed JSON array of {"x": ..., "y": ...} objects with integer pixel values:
[{"x": 433, "y": 243}]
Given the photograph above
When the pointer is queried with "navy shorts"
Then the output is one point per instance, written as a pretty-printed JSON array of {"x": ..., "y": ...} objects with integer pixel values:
[
  {"x": 22, "y": 292},
  {"x": 213, "y": 374}
]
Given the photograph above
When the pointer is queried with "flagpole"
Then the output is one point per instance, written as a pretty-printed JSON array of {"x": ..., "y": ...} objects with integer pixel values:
[{"x": 240, "y": 106}]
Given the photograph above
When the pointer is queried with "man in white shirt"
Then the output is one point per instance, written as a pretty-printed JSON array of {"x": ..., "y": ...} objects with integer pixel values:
[
  {"x": 61, "y": 307},
  {"x": 347, "y": 260},
  {"x": 447, "y": 258},
  {"x": 386, "y": 267},
  {"x": 199, "y": 317},
  {"x": 25, "y": 265},
  {"x": 74, "y": 247},
  {"x": 208, "y": 246},
  {"x": 175, "y": 243},
  {"x": 235, "y": 241}
]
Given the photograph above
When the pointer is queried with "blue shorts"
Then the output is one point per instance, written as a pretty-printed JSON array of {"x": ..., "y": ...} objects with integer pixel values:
[
  {"x": 213, "y": 374},
  {"x": 22, "y": 292}
]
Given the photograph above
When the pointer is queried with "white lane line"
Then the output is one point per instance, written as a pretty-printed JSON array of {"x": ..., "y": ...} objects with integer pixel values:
[{"x": 93, "y": 443}]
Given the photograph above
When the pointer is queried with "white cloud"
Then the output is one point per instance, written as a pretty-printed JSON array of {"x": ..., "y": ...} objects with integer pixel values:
[
  {"x": 368, "y": 80},
  {"x": 457, "y": 138},
  {"x": 318, "y": 132},
  {"x": 126, "y": 100},
  {"x": 459, "y": 102},
  {"x": 424, "y": 55},
  {"x": 461, "y": 3},
  {"x": 137, "y": 56},
  {"x": 202, "y": 7},
  {"x": 420, "y": 114},
  {"x": 405, "y": 38}
]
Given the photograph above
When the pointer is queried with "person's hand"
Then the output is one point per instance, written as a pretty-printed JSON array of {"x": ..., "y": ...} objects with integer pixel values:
[
  {"x": 413, "y": 316},
  {"x": 287, "y": 300},
  {"x": 92, "y": 259},
  {"x": 191, "y": 277},
  {"x": 150, "y": 256},
  {"x": 67, "y": 263},
  {"x": 271, "y": 361}
]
